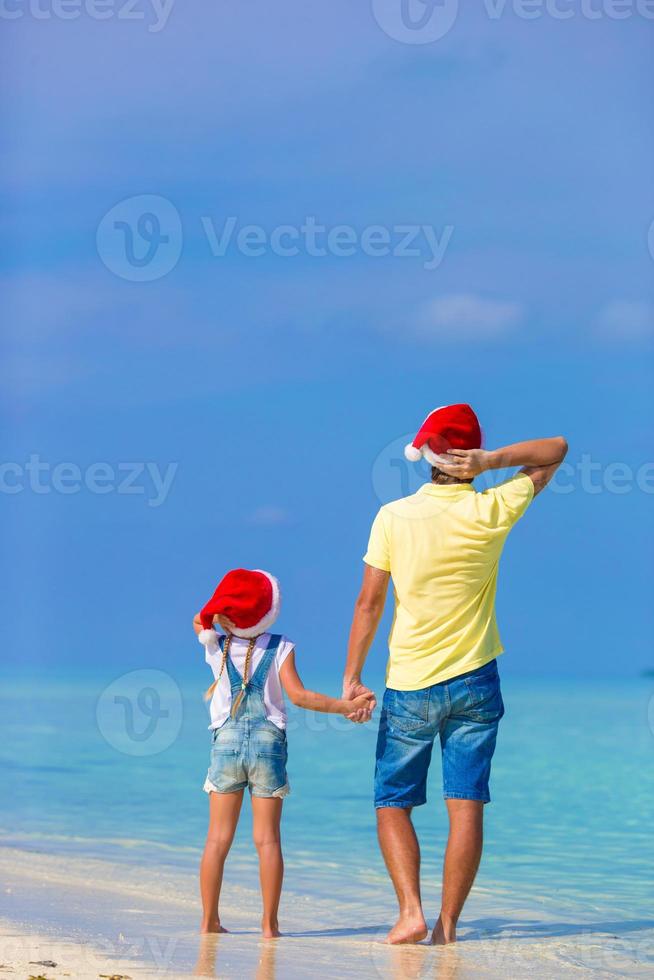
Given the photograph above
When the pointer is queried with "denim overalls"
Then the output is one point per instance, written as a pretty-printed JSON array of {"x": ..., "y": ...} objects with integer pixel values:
[{"x": 249, "y": 750}]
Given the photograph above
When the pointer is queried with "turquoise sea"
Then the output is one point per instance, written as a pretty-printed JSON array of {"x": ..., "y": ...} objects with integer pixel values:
[{"x": 112, "y": 766}]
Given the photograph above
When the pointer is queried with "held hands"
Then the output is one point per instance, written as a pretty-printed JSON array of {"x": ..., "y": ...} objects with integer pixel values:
[
  {"x": 360, "y": 708},
  {"x": 464, "y": 464},
  {"x": 362, "y": 701}
]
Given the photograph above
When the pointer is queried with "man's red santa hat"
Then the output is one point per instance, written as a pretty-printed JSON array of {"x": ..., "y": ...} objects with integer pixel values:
[
  {"x": 447, "y": 427},
  {"x": 249, "y": 598}
]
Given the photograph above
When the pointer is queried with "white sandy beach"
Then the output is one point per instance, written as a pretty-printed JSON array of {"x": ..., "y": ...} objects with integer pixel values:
[{"x": 94, "y": 918}]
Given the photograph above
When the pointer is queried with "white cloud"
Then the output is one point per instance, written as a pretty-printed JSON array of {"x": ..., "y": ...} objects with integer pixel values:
[
  {"x": 626, "y": 320},
  {"x": 467, "y": 315},
  {"x": 269, "y": 515}
]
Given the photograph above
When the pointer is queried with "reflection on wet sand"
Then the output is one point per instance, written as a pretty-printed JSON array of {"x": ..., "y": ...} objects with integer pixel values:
[
  {"x": 266, "y": 967},
  {"x": 207, "y": 961},
  {"x": 422, "y": 961}
]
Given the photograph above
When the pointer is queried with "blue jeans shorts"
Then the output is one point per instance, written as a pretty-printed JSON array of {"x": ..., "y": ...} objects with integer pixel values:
[
  {"x": 464, "y": 712},
  {"x": 252, "y": 758}
]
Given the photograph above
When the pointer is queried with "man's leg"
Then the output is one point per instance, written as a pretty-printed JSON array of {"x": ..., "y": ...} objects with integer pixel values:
[
  {"x": 462, "y": 857},
  {"x": 409, "y": 722},
  {"x": 468, "y": 737},
  {"x": 399, "y": 845}
]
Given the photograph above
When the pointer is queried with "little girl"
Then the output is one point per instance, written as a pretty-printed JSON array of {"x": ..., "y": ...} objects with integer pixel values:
[{"x": 251, "y": 669}]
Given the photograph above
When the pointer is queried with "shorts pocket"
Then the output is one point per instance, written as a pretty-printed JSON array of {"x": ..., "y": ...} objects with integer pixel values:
[
  {"x": 272, "y": 748},
  {"x": 484, "y": 697},
  {"x": 224, "y": 766},
  {"x": 271, "y": 756},
  {"x": 406, "y": 711},
  {"x": 270, "y": 740}
]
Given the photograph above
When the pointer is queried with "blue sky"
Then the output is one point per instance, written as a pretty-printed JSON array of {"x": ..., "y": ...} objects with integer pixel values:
[{"x": 278, "y": 387}]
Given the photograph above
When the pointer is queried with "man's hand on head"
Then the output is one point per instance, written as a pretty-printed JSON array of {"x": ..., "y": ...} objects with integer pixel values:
[
  {"x": 465, "y": 464},
  {"x": 539, "y": 459},
  {"x": 353, "y": 688}
]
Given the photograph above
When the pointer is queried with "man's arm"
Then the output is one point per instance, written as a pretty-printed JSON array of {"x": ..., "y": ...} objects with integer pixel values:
[
  {"x": 539, "y": 459},
  {"x": 368, "y": 611}
]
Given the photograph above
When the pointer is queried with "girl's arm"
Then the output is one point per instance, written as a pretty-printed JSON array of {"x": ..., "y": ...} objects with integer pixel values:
[
  {"x": 298, "y": 694},
  {"x": 224, "y": 623}
]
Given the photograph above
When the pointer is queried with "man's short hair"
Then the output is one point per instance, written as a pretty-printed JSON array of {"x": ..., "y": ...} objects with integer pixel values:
[{"x": 438, "y": 475}]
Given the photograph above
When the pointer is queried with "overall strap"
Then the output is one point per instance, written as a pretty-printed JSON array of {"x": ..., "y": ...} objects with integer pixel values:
[
  {"x": 235, "y": 679},
  {"x": 259, "y": 677}
]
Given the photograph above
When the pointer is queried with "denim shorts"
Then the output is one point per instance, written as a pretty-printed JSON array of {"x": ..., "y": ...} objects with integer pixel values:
[
  {"x": 254, "y": 758},
  {"x": 464, "y": 712}
]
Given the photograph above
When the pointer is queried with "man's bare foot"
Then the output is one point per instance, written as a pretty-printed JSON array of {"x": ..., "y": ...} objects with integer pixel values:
[
  {"x": 408, "y": 929},
  {"x": 270, "y": 930},
  {"x": 212, "y": 927},
  {"x": 443, "y": 934}
]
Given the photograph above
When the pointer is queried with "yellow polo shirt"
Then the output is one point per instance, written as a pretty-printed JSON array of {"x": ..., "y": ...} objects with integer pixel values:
[{"x": 442, "y": 546}]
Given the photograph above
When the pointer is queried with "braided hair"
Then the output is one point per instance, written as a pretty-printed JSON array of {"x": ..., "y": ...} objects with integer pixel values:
[{"x": 246, "y": 671}]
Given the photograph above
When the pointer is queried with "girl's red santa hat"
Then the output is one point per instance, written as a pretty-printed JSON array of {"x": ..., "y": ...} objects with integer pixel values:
[
  {"x": 250, "y": 599},
  {"x": 447, "y": 427}
]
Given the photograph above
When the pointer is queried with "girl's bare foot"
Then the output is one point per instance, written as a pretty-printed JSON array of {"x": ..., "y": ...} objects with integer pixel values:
[
  {"x": 408, "y": 929},
  {"x": 444, "y": 933},
  {"x": 213, "y": 926},
  {"x": 270, "y": 930}
]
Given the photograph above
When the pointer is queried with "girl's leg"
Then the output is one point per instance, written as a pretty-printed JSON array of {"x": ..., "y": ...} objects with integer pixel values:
[
  {"x": 224, "y": 810},
  {"x": 266, "y": 819}
]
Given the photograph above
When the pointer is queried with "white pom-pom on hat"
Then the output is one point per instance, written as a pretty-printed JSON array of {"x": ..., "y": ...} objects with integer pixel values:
[
  {"x": 412, "y": 453},
  {"x": 209, "y": 640}
]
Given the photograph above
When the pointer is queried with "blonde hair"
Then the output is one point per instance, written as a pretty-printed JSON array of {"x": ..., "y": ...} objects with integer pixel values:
[{"x": 208, "y": 694}]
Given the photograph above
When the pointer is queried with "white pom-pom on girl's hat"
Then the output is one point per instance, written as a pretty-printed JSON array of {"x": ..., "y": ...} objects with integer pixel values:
[
  {"x": 251, "y": 599},
  {"x": 447, "y": 427}
]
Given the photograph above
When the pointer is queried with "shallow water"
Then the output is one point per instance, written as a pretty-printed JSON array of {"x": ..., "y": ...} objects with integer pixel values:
[{"x": 568, "y": 835}]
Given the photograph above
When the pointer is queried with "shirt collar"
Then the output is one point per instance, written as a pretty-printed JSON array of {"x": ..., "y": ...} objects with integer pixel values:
[{"x": 443, "y": 489}]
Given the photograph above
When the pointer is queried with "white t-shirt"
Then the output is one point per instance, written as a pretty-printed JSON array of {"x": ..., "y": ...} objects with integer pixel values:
[{"x": 273, "y": 695}]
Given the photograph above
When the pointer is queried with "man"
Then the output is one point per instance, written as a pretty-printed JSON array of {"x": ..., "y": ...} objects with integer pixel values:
[{"x": 442, "y": 547}]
